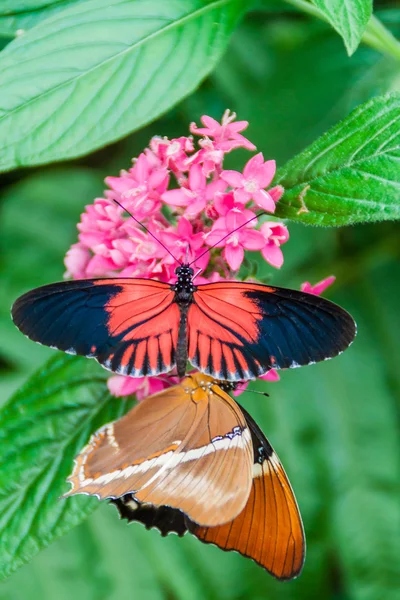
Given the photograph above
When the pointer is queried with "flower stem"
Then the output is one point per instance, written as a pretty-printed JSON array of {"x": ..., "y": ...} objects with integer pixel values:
[{"x": 376, "y": 35}]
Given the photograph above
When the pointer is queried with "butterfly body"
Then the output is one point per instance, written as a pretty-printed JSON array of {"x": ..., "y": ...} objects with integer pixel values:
[
  {"x": 184, "y": 290},
  {"x": 230, "y": 330}
]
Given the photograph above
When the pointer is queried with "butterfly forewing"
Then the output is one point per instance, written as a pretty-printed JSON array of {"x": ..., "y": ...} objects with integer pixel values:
[
  {"x": 188, "y": 447},
  {"x": 129, "y": 325},
  {"x": 240, "y": 330}
]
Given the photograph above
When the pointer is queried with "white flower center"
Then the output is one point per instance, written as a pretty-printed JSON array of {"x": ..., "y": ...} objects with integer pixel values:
[
  {"x": 134, "y": 192},
  {"x": 251, "y": 186},
  {"x": 173, "y": 148},
  {"x": 233, "y": 239}
]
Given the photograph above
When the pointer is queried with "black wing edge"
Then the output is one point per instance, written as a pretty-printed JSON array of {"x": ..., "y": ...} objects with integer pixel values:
[
  {"x": 163, "y": 518},
  {"x": 59, "y": 314}
]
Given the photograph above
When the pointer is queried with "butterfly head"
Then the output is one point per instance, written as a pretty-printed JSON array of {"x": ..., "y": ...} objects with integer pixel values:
[{"x": 184, "y": 272}]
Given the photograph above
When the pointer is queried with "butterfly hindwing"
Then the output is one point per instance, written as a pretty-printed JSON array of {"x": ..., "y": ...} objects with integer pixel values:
[
  {"x": 164, "y": 518},
  {"x": 187, "y": 447},
  {"x": 269, "y": 529},
  {"x": 130, "y": 326},
  {"x": 238, "y": 331}
]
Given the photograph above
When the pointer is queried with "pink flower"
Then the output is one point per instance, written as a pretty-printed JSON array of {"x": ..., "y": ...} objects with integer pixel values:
[
  {"x": 76, "y": 261},
  {"x": 235, "y": 242},
  {"x": 139, "y": 190},
  {"x": 226, "y": 135},
  {"x": 100, "y": 223},
  {"x": 275, "y": 234},
  {"x": 120, "y": 385},
  {"x": 276, "y": 192},
  {"x": 256, "y": 176},
  {"x": 197, "y": 193},
  {"x": 173, "y": 153},
  {"x": 319, "y": 287},
  {"x": 210, "y": 207},
  {"x": 224, "y": 202},
  {"x": 184, "y": 244},
  {"x": 271, "y": 375},
  {"x": 210, "y": 157}
]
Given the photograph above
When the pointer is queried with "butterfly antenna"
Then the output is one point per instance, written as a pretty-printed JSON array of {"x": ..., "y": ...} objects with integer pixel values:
[
  {"x": 228, "y": 234},
  {"x": 148, "y": 231},
  {"x": 252, "y": 391}
]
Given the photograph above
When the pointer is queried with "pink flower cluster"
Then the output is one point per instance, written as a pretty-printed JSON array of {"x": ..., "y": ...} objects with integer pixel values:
[
  {"x": 200, "y": 211},
  {"x": 203, "y": 201}
]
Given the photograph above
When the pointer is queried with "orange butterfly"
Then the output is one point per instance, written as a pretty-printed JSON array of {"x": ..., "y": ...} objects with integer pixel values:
[
  {"x": 190, "y": 459},
  {"x": 230, "y": 330}
]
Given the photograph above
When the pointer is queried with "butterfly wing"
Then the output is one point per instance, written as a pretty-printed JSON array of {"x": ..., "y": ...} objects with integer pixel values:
[
  {"x": 238, "y": 331},
  {"x": 186, "y": 447},
  {"x": 164, "y": 518},
  {"x": 269, "y": 530},
  {"x": 130, "y": 326}
]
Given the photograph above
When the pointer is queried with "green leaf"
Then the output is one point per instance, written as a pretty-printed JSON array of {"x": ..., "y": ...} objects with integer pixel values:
[
  {"x": 110, "y": 67},
  {"x": 38, "y": 224},
  {"x": 13, "y": 6},
  {"x": 348, "y": 17},
  {"x": 351, "y": 174},
  {"x": 16, "y": 19},
  {"x": 43, "y": 426}
]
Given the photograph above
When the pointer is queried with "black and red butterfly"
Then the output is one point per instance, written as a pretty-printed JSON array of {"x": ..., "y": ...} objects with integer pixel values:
[
  {"x": 208, "y": 469},
  {"x": 230, "y": 330}
]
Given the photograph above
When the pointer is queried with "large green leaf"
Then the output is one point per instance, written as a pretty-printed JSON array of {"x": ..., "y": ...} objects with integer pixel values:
[
  {"x": 110, "y": 67},
  {"x": 18, "y": 18},
  {"x": 351, "y": 174},
  {"x": 14, "y": 6},
  {"x": 348, "y": 17},
  {"x": 43, "y": 427}
]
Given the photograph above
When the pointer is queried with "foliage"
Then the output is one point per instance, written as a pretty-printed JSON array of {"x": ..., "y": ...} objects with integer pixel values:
[
  {"x": 351, "y": 174},
  {"x": 348, "y": 17},
  {"x": 45, "y": 425},
  {"x": 334, "y": 424},
  {"x": 109, "y": 83}
]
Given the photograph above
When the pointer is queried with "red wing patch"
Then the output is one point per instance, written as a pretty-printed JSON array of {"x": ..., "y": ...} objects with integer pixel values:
[
  {"x": 221, "y": 325},
  {"x": 241, "y": 330},
  {"x": 130, "y": 326}
]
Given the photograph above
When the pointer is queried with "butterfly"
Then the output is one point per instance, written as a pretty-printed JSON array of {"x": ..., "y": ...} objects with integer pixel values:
[
  {"x": 191, "y": 459},
  {"x": 229, "y": 330}
]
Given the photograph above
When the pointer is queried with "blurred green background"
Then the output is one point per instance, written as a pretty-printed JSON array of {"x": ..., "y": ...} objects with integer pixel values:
[{"x": 334, "y": 425}]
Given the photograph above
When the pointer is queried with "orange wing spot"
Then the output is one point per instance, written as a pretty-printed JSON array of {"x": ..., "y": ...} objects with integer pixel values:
[
  {"x": 241, "y": 359},
  {"x": 126, "y": 356},
  {"x": 230, "y": 362},
  {"x": 140, "y": 353},
  {"x": 128, "y": 309},
  {"x": 228, "y": 308},
  {"x": 143, "y": 319},
  {"x": 216, "y": 353}
]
